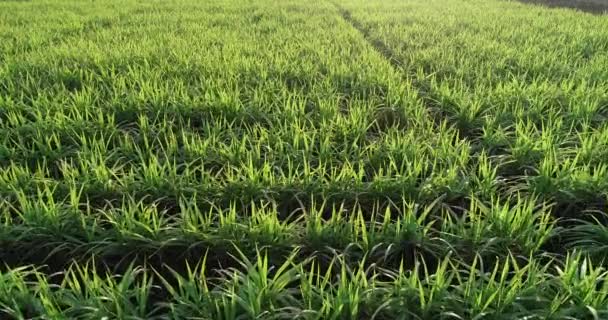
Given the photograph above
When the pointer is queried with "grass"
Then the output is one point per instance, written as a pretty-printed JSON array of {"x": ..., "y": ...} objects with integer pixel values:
[{"x": 319, "y": 160}]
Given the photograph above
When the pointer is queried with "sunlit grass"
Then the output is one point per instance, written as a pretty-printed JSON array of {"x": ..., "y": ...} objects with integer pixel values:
[{"x": 302, "y": 160}]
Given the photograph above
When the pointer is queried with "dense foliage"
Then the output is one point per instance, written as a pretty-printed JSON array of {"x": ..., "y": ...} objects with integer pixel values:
[{"x": 416, "y": 159}]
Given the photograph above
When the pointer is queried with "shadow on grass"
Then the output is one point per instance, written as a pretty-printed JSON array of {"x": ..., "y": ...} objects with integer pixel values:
[{"x": 591, "y": 6}]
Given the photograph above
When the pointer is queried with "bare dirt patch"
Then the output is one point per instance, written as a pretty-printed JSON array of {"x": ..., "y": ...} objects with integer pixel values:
[{"x": 592, "y": 6}]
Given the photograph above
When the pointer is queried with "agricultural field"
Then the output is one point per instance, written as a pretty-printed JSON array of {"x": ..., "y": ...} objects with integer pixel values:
[{"x": 322, "y": 159}]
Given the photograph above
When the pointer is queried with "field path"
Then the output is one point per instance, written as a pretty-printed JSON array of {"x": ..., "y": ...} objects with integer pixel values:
[{"x": 400, "y": 66}]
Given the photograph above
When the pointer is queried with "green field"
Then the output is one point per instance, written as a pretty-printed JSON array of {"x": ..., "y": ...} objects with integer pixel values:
[{"x": 347, "y": 159}]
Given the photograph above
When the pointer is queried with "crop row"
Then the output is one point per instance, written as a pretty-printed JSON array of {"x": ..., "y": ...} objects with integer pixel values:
[{"x": 504, "y": 290}]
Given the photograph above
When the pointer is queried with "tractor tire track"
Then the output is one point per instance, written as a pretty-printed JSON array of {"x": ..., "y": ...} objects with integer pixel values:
[{"x": 423, "y": 90}]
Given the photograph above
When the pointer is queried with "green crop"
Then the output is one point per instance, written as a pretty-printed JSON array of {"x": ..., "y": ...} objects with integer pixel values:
[{"x": 319, "y": 159}]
